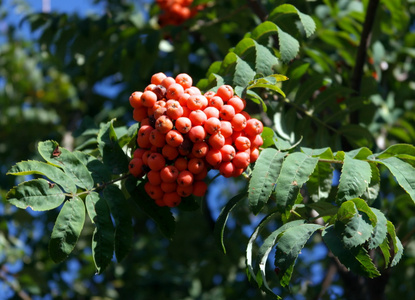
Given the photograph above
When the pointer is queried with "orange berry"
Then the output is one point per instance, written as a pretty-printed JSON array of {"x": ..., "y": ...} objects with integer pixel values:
[
  {"x": 200, "y": 149},
  {"x": 196, "y": 165},
  {"x": 143, "y": 136},
  {"x": 237, "y": 103},
  {"x": 183, "y": 125},
  {"x": 185, "y": 178},
  {"x": 209, "y": 95},
  {"x": 242, "y": 143},
  {"x": 154, "y": 177},
  {"x": 138, "y": 153},
  {"x": 216, "y": 102},
  {"x": 226, "y": 128},
  {"x": 172, "y": 199},
  {"x": 241, "y": 160},
  {"x": 185, "y": 191},
  {"x": 184, "y": 79},
  {"x": 217, "y": 140},
  {"x": 154, "y": 191},
  {"x": 156, "y": 161},
  {"x": 214, "y": 157},
  {"x": 202, "y": 175},
  {"x": 180, "y": 163},
  {"x": 256, "y": 141},
  {"x": 227, "y": 112},
  {"x": 198, "y": 117},
  {"x": 253, "y": 127},
  {"x": 135, "y": 100},
  {"x": 148, "y": 98},
  {"x": 168, "y": 187},
  {"x": 226, "y": 169},
  {"x": 169, "y": 174},
  {"x": 228, "y": 152},
  {"x": 193, "y": 91},
  {"x": 174, "y": 138},
  {"x": 136, "y": 167},
  {"x": 166, "y": 82},
  {"x": 174, "y": 91},
  {"x": 157, "y": 138},
  {"x": 163, "y": 124},
  {"x": 174, "y": 109},
  {"x": 197, "y": 134},
  {"x": 170, "y": 152},
  {"x": 139, "y": 113},
  {"x": 199, "y": 188},
  {"x": 238, "y": 122},
  {"x": 183, "y": 99},
  {"x": 158, "y": 78},
  {"x": 225, "y": 92},
  {"x": 254, "y": 155},
  {"x": 211, "y": 112},
  {"x": 212, "y": 125}
]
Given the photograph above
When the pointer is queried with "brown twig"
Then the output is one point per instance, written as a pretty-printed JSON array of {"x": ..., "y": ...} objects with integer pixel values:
[{"x": 356, "y": 80}]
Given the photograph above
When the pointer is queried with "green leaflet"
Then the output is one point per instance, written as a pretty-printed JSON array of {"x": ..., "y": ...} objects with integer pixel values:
[
  {"x": 161, "y": 215},
  {"x": 372, "y": 191},
  {"x": 319, "y": 184},
  {"x": 396, "y": 243},
  {"x": 223, "y": 218},
  {"x": 355, "y": 259},
  {"x": 289, "y": 46},
  {"x": 264, "y": 175},
  {"x": 243, "y": 73},
  {"x": 380, "y": 230},
  {"x": 67, "y": 229},
  {"x": 112, "y": 154},
  {"x": 355, "y": 228},
  {"x": 267, "y": 83},
  {"x": 63, "y": 158},
  {"x": 307, "y": 22},
  {"x": 103, "y": 235},
  {"x": 397, "y": 149},
  {"x": 289, "y": 246},
  {"x": 38, "y": 194},
  {"x": 96, "y": 168},
  {"x": 122, "y": 218},
  {"x": 354, "y": 179},
  {"x": 251, "y": 241},
  {"x": 54, "y": 174},
  {"x": 264, "y": 60},
  {"x": 404, "y": 173},
  {"x": 295, "y": 171},
  {"x": 267, "y": 246}
]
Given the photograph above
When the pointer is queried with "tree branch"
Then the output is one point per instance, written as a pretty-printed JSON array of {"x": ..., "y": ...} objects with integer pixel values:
[{"x": 356, "y": 80}]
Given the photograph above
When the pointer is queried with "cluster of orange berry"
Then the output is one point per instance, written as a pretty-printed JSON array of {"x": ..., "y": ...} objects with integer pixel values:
[
  {"x": 184, "y": 133},
  {"x": 176, "y": 11}
]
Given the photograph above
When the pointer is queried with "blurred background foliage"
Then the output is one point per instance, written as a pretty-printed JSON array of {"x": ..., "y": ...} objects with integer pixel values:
[{"x": 63, "y": 73}]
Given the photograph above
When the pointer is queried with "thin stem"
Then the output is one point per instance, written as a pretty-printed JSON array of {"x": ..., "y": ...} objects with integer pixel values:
[{"x": 361, "y": 55}]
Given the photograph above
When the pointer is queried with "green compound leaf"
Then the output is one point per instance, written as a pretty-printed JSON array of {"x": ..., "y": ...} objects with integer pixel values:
[
  {"x": 223, "y": 218},
  {"x": 264, "y": 175},
  {"x": 289, "y": 246},
  {"x": 112, "y": 154},
  {"x": 403, "y": 172},
  {"x": 355, "y": 259},
  {"x": 380, "y": 230},
  {"x": 354, "y": 179},
  {"x": 54, "y": 174},
  {"x": 396, "y": 243},
  {"x": 103, "y": 235},
  {"x": 70, "y": 164},
  {"x": 267, "y": 246},
  {"x": 67, "y": 229},
  {"x": 307, "y": 22},
  {"x": 38, "y": 194},
  {"x": 122, "y": 218},
  {"x": 295, "y": 171}
]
